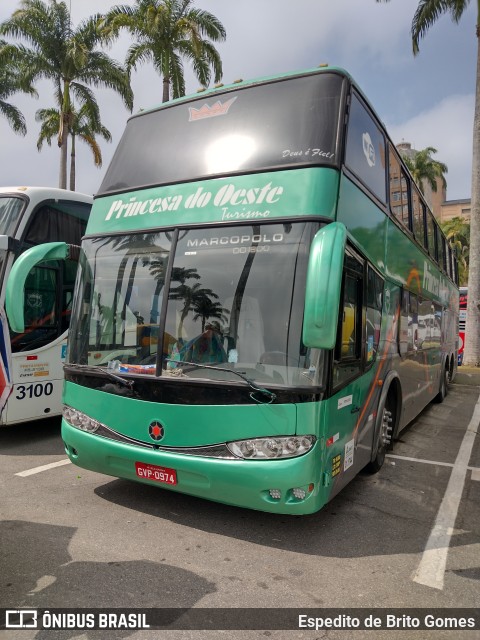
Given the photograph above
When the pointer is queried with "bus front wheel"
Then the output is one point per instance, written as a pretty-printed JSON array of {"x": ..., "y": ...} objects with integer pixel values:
[{"x": 385, "y": 435}]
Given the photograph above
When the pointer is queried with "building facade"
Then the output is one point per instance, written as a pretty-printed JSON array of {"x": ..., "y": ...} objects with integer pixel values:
[{"x": 442, "y": 208}]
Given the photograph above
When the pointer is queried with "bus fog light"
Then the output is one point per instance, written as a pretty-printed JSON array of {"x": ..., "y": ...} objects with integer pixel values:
[
  {"x": 276, "y": 494},
  {"x": 271, "y": 448},
  {"x": 299, "y": 493}
]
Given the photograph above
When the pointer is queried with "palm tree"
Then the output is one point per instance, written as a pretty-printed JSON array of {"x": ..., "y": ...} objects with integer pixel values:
[
  {"x": 190, "y": 296},
  {"x": 166, "y": 31},
  {"x": 206, "y": 308},
  {"x": 427, "y": 13},
  {"x": 457, "y": 231},
  {"x": 54, "y": 50},
  {"x": 84, "y": 124},
  {"x": 12, "y": 81},
  {"x": 425, "y": 170},
  {"x": 84, "y": 128}
]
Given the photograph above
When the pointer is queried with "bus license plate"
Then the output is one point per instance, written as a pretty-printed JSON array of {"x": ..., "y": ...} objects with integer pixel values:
[{"x": 153, "y": 472}]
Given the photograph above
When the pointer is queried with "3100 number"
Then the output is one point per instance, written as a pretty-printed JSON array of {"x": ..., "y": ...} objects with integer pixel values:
[{"x": 34, "y": 390}]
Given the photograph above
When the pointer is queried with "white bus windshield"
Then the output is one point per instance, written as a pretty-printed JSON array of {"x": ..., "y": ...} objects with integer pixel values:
[
  {"x": 235, "y": 301},
  {"x": 11, "y": 209}
]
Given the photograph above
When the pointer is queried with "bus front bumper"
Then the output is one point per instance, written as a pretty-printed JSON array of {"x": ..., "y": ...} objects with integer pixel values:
[{"x": 255, "y": 484}]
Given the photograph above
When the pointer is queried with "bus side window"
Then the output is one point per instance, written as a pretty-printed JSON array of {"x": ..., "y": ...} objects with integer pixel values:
[
  {"x": 403, "y": 337},
  {"x": 418, "y": 217},
  {"x": 399, "y": 190},
  {"x": 365, "y": 151},
  {"x": 426, "y": 321},
  {"x": 413, "y": 336},
  {"x": 348, "y": 350},
  {"x": 440, "y": 320},
  {"x": 63, "y": 221},
  {"x": 432, "y": 245},
  {"x": 455, "y": 268},
  {"x": 374, "y": 305},
  {"x": 440, "y": 242},
  {"x": 410, "y": 336},
  {"x": 448, "y": 253}
]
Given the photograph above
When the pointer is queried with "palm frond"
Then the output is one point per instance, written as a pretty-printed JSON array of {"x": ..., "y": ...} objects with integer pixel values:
[{"x": 428, "y": 12}]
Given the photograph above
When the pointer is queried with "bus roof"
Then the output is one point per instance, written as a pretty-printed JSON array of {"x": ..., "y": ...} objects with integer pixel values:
[
  {"x": 37, "y": 194},
  {"x": 237, "y": 84}
]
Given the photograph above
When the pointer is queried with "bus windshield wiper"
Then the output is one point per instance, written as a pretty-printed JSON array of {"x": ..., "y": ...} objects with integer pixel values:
[
  {"x": 256, "y": 389},
  {"x": 107, "y": 372}
]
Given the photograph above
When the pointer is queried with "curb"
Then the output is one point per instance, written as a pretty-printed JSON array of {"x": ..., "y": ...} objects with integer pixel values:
[{"x": 468, "y": 376}]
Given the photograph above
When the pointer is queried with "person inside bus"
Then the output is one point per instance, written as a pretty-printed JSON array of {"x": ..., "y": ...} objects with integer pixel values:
[{"x": 207, "y": 348}]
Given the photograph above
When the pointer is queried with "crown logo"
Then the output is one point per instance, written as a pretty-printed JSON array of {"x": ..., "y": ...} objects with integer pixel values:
[{"x": 207, "y": 111}]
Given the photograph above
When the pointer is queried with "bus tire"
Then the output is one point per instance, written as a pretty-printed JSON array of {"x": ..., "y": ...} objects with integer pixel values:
[
  {"x": 444, "y": 380},
  {"x": 385, "y": 434}
]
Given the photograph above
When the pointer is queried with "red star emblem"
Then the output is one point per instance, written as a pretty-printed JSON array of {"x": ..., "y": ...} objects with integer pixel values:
[{"x": 156, "y": 430}]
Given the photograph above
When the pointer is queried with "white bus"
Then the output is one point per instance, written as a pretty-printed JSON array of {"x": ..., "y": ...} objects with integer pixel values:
[{"x": 31, "y": 367}]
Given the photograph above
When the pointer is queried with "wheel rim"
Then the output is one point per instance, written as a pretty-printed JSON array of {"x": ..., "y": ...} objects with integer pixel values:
[{"x": 386, "y": 430}]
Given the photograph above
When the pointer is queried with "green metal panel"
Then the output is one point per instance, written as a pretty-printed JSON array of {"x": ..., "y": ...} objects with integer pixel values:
[
  {"x": 185, "y": 425},
  {"x": 243, "y": 483},
  {"x": 366, "y": 223},
  {"x": 258, "y": 197},
  {"x": 407, "y": 265},
  {"x": 239, "y": 482}
]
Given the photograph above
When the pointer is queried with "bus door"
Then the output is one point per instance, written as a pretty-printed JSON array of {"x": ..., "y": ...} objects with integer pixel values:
[{"x": 347, "y": 448}]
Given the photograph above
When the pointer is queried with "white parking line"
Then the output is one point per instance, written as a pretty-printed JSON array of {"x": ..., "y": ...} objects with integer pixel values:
[
  {"x": 431, "y": 570},
  {"x": 45, "y": 467},
  {"x": 475, "y": 470}
]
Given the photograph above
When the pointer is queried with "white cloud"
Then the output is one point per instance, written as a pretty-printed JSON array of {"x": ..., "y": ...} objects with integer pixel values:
[{"x": 447, "y": 127}]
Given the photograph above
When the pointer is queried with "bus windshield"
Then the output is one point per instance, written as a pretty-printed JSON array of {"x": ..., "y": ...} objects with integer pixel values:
[
  {"x": 231, "y": 298},
  {"x": 251, "y": 129},
  {"x": 11, "y": 209}
]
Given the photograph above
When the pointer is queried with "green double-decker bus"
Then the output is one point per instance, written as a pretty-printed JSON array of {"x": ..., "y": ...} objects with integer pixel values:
[{"x": 264, "y": 300}]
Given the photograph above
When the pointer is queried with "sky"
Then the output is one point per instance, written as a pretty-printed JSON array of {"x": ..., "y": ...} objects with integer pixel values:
[{"x": 427, "y": 100}]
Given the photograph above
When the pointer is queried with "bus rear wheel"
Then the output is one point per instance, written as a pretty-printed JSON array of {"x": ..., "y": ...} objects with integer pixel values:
[
  {"x": 444, "y": 381},
  {"x": 385, "y": 435}
]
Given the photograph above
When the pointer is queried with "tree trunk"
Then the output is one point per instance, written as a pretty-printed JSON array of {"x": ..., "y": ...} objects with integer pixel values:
[
  {"x": 62, "y": 181},
  {"x": 72, "y": 165},
  {"x": 166, "y": 89},
  {"x": 472, "y": 329}
]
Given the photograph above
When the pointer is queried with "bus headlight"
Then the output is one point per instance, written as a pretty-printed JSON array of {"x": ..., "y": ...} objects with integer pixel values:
[
  {"x": 80, "y": 420},
  {"x": 271, "y": 448}
]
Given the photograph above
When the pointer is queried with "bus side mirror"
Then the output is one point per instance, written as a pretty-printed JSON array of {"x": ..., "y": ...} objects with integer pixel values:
[
  {"x": 324, "y": 286},
  {"x": 15, "y": 291}
]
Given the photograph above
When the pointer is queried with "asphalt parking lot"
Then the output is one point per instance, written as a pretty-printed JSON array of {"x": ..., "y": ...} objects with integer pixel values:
[{"x": 405, "y": 538}]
